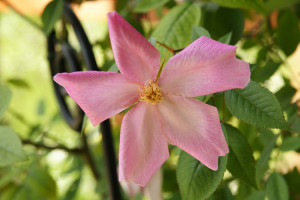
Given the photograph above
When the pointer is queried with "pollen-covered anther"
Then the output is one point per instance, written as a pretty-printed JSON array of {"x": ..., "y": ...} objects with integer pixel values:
[{"x": 150, "y": 93}]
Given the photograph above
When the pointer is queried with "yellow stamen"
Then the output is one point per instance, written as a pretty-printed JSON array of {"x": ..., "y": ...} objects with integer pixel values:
[{"x": 150, "y": 93}]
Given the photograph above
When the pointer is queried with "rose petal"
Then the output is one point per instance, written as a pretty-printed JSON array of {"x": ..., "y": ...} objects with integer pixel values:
[
  {"x": 99, "y": 94},
  {"x": 143, "y": 146},
  {"x": 194, "y": 127},
  {"x": 204, "y": 67},
  {"x": 135, "y": 56}
]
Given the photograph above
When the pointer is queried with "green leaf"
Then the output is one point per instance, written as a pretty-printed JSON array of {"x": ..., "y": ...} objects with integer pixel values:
[
  {"x": 18, "y": 83},
  {"x": 152, "y": 40},
  {"x": 52, "y": 13},
  {"x": 256, "y": 105},
  {"x": 288, "y": 31},
  {"x": 276, "y": 188},
  {"x": 10, "y": 147},
  {"x": 259, "y": 195},
  {"x": 146, "y": 5},
  {"x": 195, "y": 180},
  {"x": 262, "y": 73},
  {"x": 198, "y": 31},
  {"x": 290, "y": 143},
  {"x": 240, "y": 159},
  {"x": 245, "y": 4},
  {"x": 41, "y": 183},
  {"x": 226, "y": 38},
  {"x": 176, "y": 27},
  {"x": 271, "y": 5},
  {"x": 293, "y": 181},
  {"x": 5, "y": 95},
  {"x": 262, "y": 163},
  {"x": 219, "y": 21}
]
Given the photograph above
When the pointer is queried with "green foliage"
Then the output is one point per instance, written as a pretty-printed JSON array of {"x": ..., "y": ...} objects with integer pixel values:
[
  {"x": 10, "y": 147},
  {"x": 5, "y": 94},
  {"x": 146, "y": 5},
  {"x": 176, "y": 25},
  {"x": 226, "y": 38},
  {"x": 246, "y": 4},
  {"x": 290, "y": 143},
  {"x": 288, "y": 31},
  {"x": 271, "y": 5},
  {"x": 256, "y": 105},
  {"x": 240, "y": 158},
  {"x": 262, "y": 163},
  {"x": 264, "y": 71},
  {"x": 195, "y": 180},
  {"x": 52, "y": 13},
  {"x": 276, "y": 188},
  {"x": 220, "y": 21},
  {"x": 37, "y": 169},
  {"x": 199, "y": 31}
]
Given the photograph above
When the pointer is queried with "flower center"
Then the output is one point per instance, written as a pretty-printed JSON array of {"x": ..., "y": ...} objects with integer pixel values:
[{"x": 150, "y": 93}]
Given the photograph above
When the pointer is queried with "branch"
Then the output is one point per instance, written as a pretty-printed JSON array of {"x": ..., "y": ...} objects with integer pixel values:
[{"x": 58, "y": 147}]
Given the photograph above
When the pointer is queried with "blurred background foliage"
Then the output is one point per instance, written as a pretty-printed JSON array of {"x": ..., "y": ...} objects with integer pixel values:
[{"x": 42, "y": 158}]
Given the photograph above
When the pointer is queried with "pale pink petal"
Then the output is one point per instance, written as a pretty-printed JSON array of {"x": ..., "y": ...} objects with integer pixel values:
[
  {"x": 135, "y": 56},
  {"x": 152, "y": 191},
  {"x": 143, "y": 146},
  {"x": 194, "y": 127},
  {"x": 130, "y": 188},
  {"x": 204, "y": 67},
  {"x": 99, "y": 94}
]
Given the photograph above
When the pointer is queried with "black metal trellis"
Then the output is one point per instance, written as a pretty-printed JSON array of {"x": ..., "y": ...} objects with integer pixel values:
[{"x": 64, "y": 59}]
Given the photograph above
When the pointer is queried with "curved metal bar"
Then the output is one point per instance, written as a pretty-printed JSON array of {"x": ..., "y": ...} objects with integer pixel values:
[{"x": 58, "y": 63}]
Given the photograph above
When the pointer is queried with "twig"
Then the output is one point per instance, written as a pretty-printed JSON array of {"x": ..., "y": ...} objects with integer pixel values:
[
  {"x": 174, "y": 51},
  {"x": 58, "y": 147}
]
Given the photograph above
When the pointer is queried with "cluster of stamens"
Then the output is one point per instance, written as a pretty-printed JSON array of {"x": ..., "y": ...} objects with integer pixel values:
[{"x": 150, "y": 93}]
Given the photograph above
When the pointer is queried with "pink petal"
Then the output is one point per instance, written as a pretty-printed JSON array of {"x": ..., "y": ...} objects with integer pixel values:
[
  {"x": 99, "y": 94},
  {"x": 143, "y": 147},
  {"x": 135, "y": 56},
  {"x": 194, "y": 127},
  {"x": 204, "y": 67}
]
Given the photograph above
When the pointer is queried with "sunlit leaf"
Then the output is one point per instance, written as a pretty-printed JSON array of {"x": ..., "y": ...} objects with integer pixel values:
[
  {"x": 10, "y": 147},
  {"x": 240, "y": 159},
  {"x": 5, "y": 96},
  {"x": 195, "y": 180},
  {"x": 226, "y": 38},
  {"x": 198, "y": 31},
  {"x": 52, "y": 13},
  {"x": 276, "y": 188},
  {"x": 246, "y": 4},
  {"x": 271, "y": 5},
  {"x": 18, "y": 83},
  {"x": 146, "y": 5},
  {"x": 176, "y": 26},
  {"x": 256, "y": 105},
  {"x": 41, "y": 183}
]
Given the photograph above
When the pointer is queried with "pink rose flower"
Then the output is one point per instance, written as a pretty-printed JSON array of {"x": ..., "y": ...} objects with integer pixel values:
[{"x": 162, "y": 109}]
